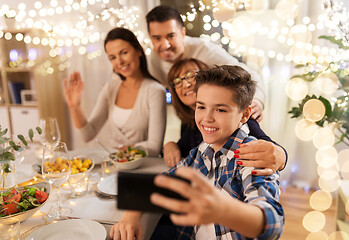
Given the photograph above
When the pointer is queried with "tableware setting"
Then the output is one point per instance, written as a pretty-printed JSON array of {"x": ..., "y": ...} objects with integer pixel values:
[
  {"x": 79, "y": 177},
  {"x": 127, "y": 160},
  {"x": 70, "y": 229},
  {"x": 108, "y": 186},
  {"x": 29, "y": 203},
  {"x": 51, "y": 135},
  {"x": 56, "y": 169},
  {"x": 10, "y": 231}
]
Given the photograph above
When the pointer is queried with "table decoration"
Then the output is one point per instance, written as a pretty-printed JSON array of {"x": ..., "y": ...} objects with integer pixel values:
[{"x": 8, "y": 150}]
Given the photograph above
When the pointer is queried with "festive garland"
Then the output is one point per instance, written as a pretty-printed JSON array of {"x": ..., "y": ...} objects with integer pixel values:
[{"x": 336, "y": 108}]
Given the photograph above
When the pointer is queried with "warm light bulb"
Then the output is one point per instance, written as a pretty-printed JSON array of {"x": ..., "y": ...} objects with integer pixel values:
[
  {"x": 257, "y": 6},
  {"x": 323, "y": 137},
  {"x": 327, "y": 82},
  {"x": 286, "y": 9},
  {"x": 305, "y": 129},
  {"x": 329, "y": 185},
  {"x": 296, "y": 89},
  {"x": 320, "y": 200},
  {"x": 224, "y": 12},
  {"x": 314, "y": 221},
  {"x": 326, "y": 157},
  {"x": 314, "y": 110}
]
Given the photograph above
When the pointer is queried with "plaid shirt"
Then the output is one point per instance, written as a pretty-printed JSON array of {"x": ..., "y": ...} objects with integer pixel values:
[{"x": 239, "y": 183}]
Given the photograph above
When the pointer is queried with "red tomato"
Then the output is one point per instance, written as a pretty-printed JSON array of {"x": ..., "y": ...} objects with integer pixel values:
[
  {"x": 15, "y": 198},
  {"x": 41, "y": 196},
  {"x": 13, "y": 191},
  {"x": 10, "y": 208}
]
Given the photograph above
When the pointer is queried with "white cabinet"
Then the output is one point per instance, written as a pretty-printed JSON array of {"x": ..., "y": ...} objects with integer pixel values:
[
  {"x": 4, "y": 119},
  {"x": 24, "y": 118},
  {"x": 31, "y": 76}
]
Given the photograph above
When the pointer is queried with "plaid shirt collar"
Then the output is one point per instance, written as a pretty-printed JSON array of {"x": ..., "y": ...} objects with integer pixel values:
[{"x": 226, "y": 153}]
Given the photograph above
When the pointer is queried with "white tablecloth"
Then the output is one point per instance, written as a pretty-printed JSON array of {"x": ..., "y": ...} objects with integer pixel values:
[{"x": 89, "y": 206}]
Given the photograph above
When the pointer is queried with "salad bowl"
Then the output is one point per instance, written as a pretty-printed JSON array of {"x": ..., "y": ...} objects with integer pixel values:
[
  {"x": 21, "y": 216},
  {"x": 127, "y": 160}
]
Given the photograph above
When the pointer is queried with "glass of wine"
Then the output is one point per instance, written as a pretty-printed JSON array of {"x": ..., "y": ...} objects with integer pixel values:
[
  {"x": 50, "y": 132},
  {"x": 56, "y": 168}
]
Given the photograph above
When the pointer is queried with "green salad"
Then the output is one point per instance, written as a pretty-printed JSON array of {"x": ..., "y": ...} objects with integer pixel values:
[
  {"x": 13, "y": 201},
  {"x": 129, "y": 155}
]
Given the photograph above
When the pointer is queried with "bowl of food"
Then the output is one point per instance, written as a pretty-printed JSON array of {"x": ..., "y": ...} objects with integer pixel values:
[
  {"x": 18, "y": 204},
  {"x": 81, "y": 167},
  {"x": 130, "y": 159}
]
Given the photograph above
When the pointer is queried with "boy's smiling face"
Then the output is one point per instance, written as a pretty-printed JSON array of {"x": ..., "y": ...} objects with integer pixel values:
[{"x": 217, "y": 115}]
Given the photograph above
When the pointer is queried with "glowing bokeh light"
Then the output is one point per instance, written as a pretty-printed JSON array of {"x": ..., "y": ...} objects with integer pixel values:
[
  {"x": 317, "y": 236},
  {"x": 314, "y": 110},
  {"x": 13, "y": 55},
  {"x": 324, "y": 137},
  {"x": 338, "y": 235},
  {"x": 239, "y": 27},
  {"x": 286, "y": 9},
  {"x": 224, "y": 12},
  {"x": 305, "y": 129},
  {"x": 326, "y": 157},
  {"x": 320, "y": 200},
  {"x": 296, "y": 89},
  {"x": 299, "y": 53},
  {"x": 314, "y": 221},
  {"x": 329, "y": 185},
  {"x": 323, "y": 171},
  {"x": 32, "y": 54},
  {"x": 300, "y": 33},
  {"x": 327, "y": 82},
  {"x": 257, "y": 6}
]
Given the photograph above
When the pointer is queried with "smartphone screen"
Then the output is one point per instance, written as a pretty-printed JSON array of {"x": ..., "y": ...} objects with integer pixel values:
[{"x": 134, "y": 190}]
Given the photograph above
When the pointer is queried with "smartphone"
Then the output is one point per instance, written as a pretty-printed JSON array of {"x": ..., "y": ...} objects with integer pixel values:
[{"x": 134, "y": 190}]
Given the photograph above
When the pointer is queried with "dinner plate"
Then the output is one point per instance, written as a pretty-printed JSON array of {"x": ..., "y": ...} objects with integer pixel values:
[
  {"x": 72, "y": 229},
  {"x": 108, "y": 185}
]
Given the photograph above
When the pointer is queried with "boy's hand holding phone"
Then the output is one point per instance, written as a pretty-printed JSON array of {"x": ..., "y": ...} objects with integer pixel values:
[{"x": 204, "y": 204}]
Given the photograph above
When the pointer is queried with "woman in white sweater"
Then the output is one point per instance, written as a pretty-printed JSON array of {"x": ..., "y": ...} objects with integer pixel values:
[{"x": 134, "y": 102}]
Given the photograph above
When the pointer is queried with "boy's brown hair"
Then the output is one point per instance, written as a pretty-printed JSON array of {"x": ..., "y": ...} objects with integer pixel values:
[{"x": 233, "y": 77}]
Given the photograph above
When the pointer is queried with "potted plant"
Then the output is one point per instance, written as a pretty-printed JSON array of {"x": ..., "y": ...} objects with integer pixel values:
[{"x": 7, "y": 155}]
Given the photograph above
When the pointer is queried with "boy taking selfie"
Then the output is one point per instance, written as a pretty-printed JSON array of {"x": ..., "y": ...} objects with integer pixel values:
[{"x": 224, "y": 200}]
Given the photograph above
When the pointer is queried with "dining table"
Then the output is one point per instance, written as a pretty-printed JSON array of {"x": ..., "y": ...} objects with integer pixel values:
[{"x": 92, "y": 206}]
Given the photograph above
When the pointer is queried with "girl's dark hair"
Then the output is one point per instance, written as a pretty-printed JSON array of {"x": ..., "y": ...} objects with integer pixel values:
[
  {"x": 162, "y": 14},
  {"x": 185, "y": 113},
  {"x": 128, "y": 36},
  {"x": 235, "y": 78}
]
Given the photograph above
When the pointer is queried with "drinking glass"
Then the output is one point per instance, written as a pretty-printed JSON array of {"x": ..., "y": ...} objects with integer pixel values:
[
  {"x": 50, "y": 132},
  {"x": 56, "y": 168},
  {"x": 10, "y": 230}
]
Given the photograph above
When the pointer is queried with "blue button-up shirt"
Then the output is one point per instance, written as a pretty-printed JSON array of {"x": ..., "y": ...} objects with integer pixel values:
[{"x": 239, "y": 183}]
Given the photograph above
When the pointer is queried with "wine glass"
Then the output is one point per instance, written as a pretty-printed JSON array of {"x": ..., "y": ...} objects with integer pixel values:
[
  {"x": 50, "y": 132},
  {"x": 56, "y": 168}
]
